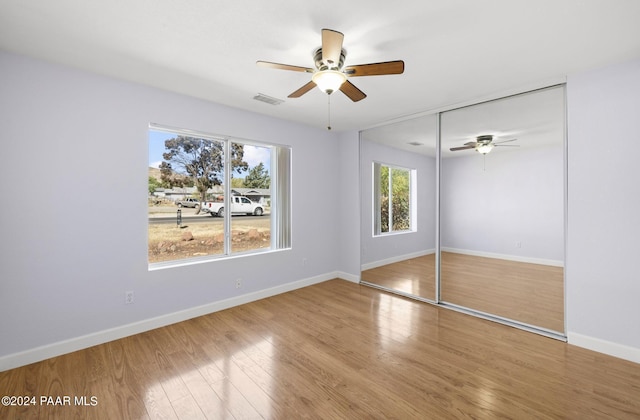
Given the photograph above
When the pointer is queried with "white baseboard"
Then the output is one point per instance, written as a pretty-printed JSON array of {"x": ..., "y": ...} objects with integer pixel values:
[
  {"x": 518, "y": 258},
  {"x": 78, "y": 343},
  {"x": 348, "y": 277},
  {"x": 396, "y": 259},
  {"x": 602, "y": 346}
]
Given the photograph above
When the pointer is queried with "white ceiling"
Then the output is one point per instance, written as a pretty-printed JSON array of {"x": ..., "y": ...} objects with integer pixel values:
[{"x": 455, "y": 51}]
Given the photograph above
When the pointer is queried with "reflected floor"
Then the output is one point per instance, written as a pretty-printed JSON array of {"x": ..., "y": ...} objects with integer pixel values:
[
  {"x": 528, "y": 293},
  {"x": 415, "y": 276}
]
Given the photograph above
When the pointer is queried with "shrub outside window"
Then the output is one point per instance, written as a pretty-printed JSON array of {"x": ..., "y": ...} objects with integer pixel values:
[{"x": 393, "y": 199}]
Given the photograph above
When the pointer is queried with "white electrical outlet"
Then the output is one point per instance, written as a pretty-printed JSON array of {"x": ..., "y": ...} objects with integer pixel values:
[
  {"x": 238, "y": 283},
  {"x": 518, "y": 244},
  {"x": 128, "y": 297}
]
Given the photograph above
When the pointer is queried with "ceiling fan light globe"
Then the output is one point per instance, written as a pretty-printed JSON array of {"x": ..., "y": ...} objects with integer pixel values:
[
  {"x": 329, "y": 81},
  {"x": 484, "y": 148}
]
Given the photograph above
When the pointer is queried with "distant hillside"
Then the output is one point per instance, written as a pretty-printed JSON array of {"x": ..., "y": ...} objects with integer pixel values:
[{"x": 155, "y": 173}]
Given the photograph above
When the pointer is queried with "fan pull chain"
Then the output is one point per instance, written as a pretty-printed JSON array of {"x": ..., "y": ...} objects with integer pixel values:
[{"x": 329, "y": 112}]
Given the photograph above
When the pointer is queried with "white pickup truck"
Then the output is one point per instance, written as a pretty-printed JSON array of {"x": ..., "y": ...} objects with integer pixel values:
[{"x": 239, "y": 205}]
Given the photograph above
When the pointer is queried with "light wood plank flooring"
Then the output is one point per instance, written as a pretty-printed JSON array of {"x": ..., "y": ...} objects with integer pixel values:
[
  {"x": 336, "y": 350},
  {"x": 529, "y": 293}
]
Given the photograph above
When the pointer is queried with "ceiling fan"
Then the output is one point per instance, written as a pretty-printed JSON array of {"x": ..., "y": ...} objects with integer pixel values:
[
  {"x": 484, "y": 144},
  {"x": 330, "y": 74}
]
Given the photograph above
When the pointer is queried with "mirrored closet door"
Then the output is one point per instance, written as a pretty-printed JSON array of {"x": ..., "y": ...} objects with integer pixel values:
[
  {"x": 398, "y": 206},
  {"x": 502, "y": 208},
  {"x": 475, "y": 221}
]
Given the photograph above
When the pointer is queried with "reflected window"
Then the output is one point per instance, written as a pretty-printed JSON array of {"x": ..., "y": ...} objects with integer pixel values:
[{"x": 394, "y": 198}]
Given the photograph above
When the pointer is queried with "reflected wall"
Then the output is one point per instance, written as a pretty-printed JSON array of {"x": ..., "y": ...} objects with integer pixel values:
[
  {"x": 502, "y": 213},
  {"x": 404, "y": 261}
]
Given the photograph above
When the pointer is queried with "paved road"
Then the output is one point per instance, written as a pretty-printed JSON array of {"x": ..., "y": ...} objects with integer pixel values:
[
  {"x": 201, "y": 219},
  {"x": 168, "y": 214}
]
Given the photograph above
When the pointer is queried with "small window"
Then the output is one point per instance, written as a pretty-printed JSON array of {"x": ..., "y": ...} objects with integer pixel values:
[
  {"x": 393, "y": 199},
  {"x": 212, "y": 196}
]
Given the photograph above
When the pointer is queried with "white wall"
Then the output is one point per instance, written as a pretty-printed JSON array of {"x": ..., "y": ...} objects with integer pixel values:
[
  {"x": 74, "y": 173},
  {"x": 512, "y": 197},
  {"x": 603, "y": 273},
  {"x": 348, "y": 206},
  {"x": 389, "y": 247}
]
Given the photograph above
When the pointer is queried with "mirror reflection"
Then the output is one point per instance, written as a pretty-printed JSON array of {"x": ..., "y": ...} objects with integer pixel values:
[
  {"x": 502, "y": 208},
  {"x": 502, "y": 195},
  {"x": 398, "y": 205}
]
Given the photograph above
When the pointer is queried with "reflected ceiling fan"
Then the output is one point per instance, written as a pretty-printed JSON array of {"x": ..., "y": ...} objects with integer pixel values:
[
  {"x": 330, "y": 74},
  {"x": 484, "y": 144}
]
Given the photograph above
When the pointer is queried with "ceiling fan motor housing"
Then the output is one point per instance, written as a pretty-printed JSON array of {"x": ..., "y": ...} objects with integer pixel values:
[
  {"x": 484, "y": 140},
  {"x": 321, "y": 65}
]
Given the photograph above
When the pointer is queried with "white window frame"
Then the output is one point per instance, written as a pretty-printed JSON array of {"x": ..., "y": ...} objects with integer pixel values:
[
  {"x": 377, "y": 216},
  {"x": 280, "y": 218}
]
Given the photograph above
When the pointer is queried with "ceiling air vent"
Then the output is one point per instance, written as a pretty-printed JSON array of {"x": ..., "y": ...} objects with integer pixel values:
[
  {"x": 268, "y": 99},
  {"x": 416, "y": 143}
]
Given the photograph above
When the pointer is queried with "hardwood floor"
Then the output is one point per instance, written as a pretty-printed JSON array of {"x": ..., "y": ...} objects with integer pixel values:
[
  {"x": 529, "y": 293},
  {"x": 333, "y": 350}
]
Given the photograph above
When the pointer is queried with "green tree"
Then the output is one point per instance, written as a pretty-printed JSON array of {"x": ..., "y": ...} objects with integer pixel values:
[
  {"x": 201, "y": 160},
  {"x": 237, "y": 183},
  {"x": 172, "y": 179},
  {"x": 154, "y": 184},
  {"x": 400, "y": 199},
  {"x": 384, "y": 199},
  {"x": 258, "y": 177}
]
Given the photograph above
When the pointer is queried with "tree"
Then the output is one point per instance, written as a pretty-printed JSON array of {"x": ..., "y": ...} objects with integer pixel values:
[
  {"x": 154, "y": 184},
  {"x": 400, "y": 199},
  {"x": 237, "y": 183},
  {"x": 172, "y": 179},
  {"x": 201, "y": 160},
  {"x": 258, "y": 177}
]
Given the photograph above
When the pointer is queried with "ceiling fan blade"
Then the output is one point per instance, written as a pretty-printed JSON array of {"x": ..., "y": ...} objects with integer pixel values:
[
  {"x": 506, "y": 145},
  {"x": 304, "y": 89},
  {"x": 455, "y": 149},
  {"x": 504, "y": 141},
  {"x": 279, "y": 66},
  {"x": 471, "y": 143},
  {"x": 352, "y": 91},
  {"x": 375, "y": 69},
  {"x": 331, "y": 47}
]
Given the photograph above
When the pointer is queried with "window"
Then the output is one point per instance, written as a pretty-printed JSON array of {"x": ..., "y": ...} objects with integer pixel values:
[
  {"x": 213, "y": 196},
  {"x": 394, "y": 204}
]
